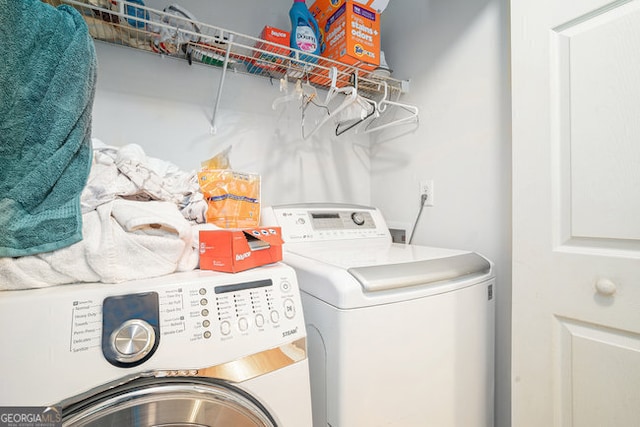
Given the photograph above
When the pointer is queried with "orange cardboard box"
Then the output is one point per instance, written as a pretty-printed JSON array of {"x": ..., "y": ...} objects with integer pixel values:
[
  {"x": 239, "y": 249},
  {"x": 350, "y": 32},
  {"x": 264, "y": 61}
]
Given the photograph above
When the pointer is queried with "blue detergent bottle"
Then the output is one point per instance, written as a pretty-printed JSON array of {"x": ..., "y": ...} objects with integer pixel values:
[{"x": 305, "y": 34}]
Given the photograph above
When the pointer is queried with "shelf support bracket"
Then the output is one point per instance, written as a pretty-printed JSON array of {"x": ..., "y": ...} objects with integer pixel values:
[{"x": 222, "y": 77}]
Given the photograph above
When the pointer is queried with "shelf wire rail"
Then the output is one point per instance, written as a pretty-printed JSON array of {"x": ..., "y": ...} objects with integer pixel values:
[{"x": 175, "y": 34}]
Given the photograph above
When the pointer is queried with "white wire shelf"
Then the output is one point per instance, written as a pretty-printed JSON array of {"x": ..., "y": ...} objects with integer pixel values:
[{"x": 174, "y": 35}]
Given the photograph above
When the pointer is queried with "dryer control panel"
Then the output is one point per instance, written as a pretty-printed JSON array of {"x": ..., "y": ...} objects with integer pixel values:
[{"x": 314, "y": 222}]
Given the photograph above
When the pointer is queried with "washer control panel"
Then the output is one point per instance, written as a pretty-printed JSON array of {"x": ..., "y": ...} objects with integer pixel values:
[
  {"x": 221, "y": 314},
  {"x": 227, "y": 311},
  {"x": 317, "y": 222},
  {"x": 76, "y": 340}
]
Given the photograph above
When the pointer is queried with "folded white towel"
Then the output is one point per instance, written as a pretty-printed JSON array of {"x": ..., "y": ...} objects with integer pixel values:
[{"x": 123, "y": 240}]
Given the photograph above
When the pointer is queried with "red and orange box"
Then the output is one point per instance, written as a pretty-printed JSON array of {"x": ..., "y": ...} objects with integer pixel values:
[
  {"x": 234, "y": 250},
  {"x": 265, "y": 61}
]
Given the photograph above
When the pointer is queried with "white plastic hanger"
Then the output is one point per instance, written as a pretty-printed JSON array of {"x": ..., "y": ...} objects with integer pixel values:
[
  {"x": 351, "y": 95},
  {"x": 411, "y": 118},
  {"x": 382, "y": 107},
  {"x": 303, "y": 92},
  {"x": 284, "y": 87},
  {"x": 377, "y": 110},
  {"x": 367, "y": 107}
]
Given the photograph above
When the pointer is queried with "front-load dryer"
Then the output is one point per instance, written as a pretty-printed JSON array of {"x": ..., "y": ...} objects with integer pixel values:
[
  {"x": 398, "y": 335},
  {"x": 190, "y": 349}
]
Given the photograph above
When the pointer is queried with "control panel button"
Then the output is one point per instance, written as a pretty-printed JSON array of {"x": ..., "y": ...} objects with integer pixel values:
[
  {"x": 259, "y": 320},
  {"x": 225, "y": 328},
  {"x": 289, "y": 308},
  {"x": 285, "y": 286},
  {"x": 357, "y": 218},
  {"x": 275, "y": 316},
  {"x": 243, "y": 324},
  {"x": 133, "y": 340}
]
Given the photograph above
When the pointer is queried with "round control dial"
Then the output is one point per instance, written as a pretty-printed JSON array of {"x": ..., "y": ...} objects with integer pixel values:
[
  {"x": 133, "y": 340},
  {"x": 357, "y": 218}
]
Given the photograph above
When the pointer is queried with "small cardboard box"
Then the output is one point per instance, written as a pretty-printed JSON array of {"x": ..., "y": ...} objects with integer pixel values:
[
  {"x": 234, "y": 250},
  {"x": 350, "y": 32},
  {"x": 264, "y": 61}
]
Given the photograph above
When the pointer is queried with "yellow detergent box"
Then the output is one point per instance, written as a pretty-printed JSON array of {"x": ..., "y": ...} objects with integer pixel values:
[{"x": 350, "y": 32}]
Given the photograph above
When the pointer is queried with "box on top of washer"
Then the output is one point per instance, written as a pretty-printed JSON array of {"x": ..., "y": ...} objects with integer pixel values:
[{"x": 234, "y": 250}]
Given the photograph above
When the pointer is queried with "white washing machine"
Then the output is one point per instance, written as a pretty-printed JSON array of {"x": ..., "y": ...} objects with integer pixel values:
[
  {"x": 192, "y": 349},
  {"x": 398, "y": 335}
]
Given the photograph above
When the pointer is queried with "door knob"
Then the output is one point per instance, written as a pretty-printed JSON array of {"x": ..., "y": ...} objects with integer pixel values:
[{"x": 605, "y": 287}]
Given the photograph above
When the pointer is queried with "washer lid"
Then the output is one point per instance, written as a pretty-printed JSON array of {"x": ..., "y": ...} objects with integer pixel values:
[
  {"x": 390, "y": 276},
  {"x": 348, "y": 254},
  {"x": 379, "y": 266}
]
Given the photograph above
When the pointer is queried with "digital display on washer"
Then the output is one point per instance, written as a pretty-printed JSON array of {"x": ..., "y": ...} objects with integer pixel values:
[
  {"x": 325, "y": 215},
  {"x": 242, "y": 286}
]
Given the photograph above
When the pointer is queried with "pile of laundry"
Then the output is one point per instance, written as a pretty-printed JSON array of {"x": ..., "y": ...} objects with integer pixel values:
[{"x": 140, "y": 219}]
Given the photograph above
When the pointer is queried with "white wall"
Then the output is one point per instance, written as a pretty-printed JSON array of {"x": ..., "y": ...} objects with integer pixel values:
[
  {"x": 455, "y": 53},
  {"x": 166, "y": 106}
]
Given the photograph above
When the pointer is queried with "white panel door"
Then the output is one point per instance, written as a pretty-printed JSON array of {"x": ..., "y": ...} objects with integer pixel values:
[{"x": 576, "y": 213}]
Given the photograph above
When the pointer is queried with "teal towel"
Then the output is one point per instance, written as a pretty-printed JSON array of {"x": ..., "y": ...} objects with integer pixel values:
[{"x": 48, "y": 73}]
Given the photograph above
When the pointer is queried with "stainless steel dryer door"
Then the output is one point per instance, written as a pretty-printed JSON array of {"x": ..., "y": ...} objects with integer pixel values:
[{"x": 168, "y": 402}]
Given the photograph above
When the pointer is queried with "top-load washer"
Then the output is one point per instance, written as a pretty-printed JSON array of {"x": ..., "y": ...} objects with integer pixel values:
[
  {"x": 190, "y": 349},
  {"x": 398, "y": 335}
]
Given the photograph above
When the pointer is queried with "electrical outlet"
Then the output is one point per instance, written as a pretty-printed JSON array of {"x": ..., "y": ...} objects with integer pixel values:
[
  {"x": 426, "y": 187},
  {"x": 398, "y": 235}
]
